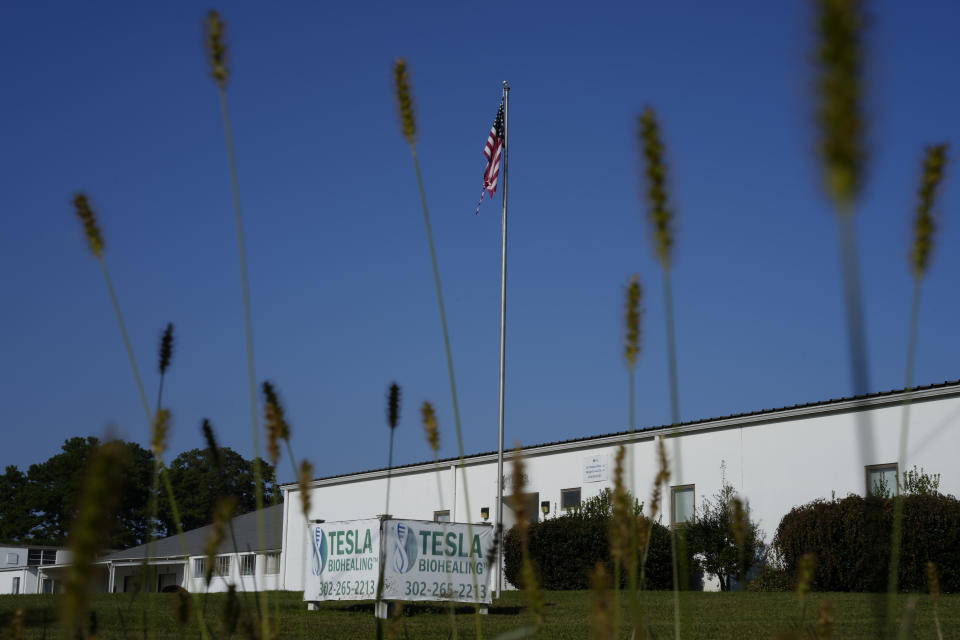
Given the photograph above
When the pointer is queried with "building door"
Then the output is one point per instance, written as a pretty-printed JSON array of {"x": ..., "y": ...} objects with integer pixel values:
[
  {"x": 165, "y": 580},
  {"x": 531, "y": 502}
]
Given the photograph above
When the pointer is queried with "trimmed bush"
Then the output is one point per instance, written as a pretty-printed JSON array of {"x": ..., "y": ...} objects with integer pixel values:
[
  {"x": 851, "y": 541},
  {"x": 565, "y": 550}
]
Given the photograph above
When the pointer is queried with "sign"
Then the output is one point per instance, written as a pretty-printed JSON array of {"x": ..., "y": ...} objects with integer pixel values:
[
  {"x": 595, "y": 468},
  {"x": 437, "y": 561},
  {"x": 343, "y": 561}
]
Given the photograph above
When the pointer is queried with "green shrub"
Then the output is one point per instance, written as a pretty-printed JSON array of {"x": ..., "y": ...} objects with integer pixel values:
[
  {"x": 851, "y": 541},
  {"x": 566, "y": 549}
]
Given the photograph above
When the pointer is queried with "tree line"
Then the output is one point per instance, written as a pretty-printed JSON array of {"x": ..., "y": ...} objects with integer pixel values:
[{"x": 38, "y": 506}]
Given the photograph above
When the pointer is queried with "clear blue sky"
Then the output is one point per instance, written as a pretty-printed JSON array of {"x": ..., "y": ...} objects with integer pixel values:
[{"x": 115, "y": 99}]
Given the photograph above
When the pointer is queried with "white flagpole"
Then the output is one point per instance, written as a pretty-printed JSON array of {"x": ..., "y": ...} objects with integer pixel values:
[{"x": 503, "y": 338}]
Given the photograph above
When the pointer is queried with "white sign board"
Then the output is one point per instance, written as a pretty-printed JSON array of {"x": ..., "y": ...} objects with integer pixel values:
[
  {"x": 595, "y": 468},
  {"x": 344, "y": 561},
  {"x": 437, "y": 561}
]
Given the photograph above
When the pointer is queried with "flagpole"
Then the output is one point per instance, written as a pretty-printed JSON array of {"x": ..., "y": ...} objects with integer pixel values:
[{"x": 503, "y": 337}]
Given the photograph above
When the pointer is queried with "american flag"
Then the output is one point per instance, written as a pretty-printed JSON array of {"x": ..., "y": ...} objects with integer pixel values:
[{"x": 493, "y": 150}]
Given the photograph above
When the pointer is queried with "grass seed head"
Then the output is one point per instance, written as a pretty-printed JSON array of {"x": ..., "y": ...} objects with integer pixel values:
[
  {"x": 166, "y": 348},
  {"x": 230, "y": 614},
  {"x": 216, "y": 48},
  {"x": 393, "y": 406},
  {"x": 840, "y": 26},
  {"x": 96, "y": 514},
  {"x": 15, "y": 629},
  {"x": 661, "y": 479},
  {"x": 739, "y": 523},
  {"x": 183, "y": 609},
  {"x": 275, "y": 420},
  {"x": 401, "y": 83},
  {"x": 212, "y": 446},
  {"x": 304, "y": 477},
  {"x": 631, "y": 349},
  {"x": 924, "y": 228},
  {"x": 933, "y": 580},
  {"x": 620, "y": 522},
  {"x": 655, "y": 171},
  {"x": 430, "y": 427},
  {"x": 825, "y": 621},
  {"x": 601, "y": 604},
  {"x": 806, "y": 566},
  {"x": 222, "y": 514},
  {"x": 161, "y": 427},
  {"x": 90, "y": 227}
]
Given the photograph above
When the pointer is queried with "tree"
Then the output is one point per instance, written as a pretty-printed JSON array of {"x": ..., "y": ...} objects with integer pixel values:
[
  {"x": 15, "y": 517},
  {"x": 53, "y": 488},
  {"x": 724, "y": 538},
  {"x": 198, "y": 481}
]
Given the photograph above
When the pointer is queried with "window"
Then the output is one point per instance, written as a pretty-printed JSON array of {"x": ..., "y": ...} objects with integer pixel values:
[
  {"x": 223, "y": 565},
  {"x": 441, "y": 516},
  {"x": 199, "y": 567},
  {"x": 248, "y": 564},
  {"x": 682, "y": 504},
  {"x": 271, "y": 563},
  {"x": 46, "y": 586},
  {"x": 570, "y": 499},
  {"x": 15, "y": 589},
  {"x": 882, "y": 479},
  {"x": 38, "y": 557}
]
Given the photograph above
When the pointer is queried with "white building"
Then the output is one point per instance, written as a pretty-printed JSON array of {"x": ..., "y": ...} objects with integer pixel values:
[
  {"x": 776, "y": 459},
  {"x": 241, "y": 560},
  {"x": 20, "y": 568}
]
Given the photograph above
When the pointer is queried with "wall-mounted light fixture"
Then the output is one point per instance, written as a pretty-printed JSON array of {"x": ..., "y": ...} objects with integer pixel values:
[
  {"x": 485, "y": 513},
  {"x": 545, "y": 507},
  {"x": 318, "y": 521}
]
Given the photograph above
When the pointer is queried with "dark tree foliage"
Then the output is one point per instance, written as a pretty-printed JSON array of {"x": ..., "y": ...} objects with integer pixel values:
[
  {"x": 725, "y": 546},
  {"x": 198, "y": 483},
  {"x": 54, "y": 486},
  {"x": 39, "y": 506},
  {"x": 16, "y": 519}
]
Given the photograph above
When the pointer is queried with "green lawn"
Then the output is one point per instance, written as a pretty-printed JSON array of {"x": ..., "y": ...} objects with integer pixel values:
[{"x": 710, "y": 615}]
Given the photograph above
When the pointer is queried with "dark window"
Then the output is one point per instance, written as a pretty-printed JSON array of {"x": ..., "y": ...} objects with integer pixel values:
[
  {"x": 38, "y": 557},
  {"x": 882, "y": 480},
  {"x": 570, "y": 499}
]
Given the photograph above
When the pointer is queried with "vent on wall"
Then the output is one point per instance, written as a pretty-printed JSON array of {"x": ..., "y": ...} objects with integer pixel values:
[{"x": 12, "y": 558}]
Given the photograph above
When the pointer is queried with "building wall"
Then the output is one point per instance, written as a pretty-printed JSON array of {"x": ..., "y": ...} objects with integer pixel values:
[
  {"x": 775, "y": 462},
  {"x": 27, "y": 577}
]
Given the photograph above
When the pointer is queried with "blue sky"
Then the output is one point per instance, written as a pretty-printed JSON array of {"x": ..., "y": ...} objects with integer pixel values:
[{"x": 115, "y": 99}]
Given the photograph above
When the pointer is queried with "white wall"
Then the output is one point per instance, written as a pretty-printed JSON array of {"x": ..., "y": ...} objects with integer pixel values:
[
  {"x": 776, "y": 461},
  {"x": 27, "y": 576},
  {"x": 260, "y": 581}
]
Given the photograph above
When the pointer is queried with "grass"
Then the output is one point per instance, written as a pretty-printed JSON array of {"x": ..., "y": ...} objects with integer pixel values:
[{"x": 759, "y": 615}]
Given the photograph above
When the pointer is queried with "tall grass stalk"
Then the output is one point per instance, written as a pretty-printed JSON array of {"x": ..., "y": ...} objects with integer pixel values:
[
  {"x": 96, "y": 244},
  {"x": 217, "y": 57},
  {"x": 841, "y": 28},
  {"x": 662, "y": 220},
  {"x": 924, "y": 230},
  {"x": 431, "y": 431},
  {"x": 165, "y": 355},
  {"x": 393, "y": 418},
  {"x": 631, "y": 352},
  {"x": 408, "y": 125}
]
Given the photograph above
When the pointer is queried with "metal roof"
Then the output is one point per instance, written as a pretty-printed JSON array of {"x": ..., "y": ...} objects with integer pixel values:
[
  {"x": 833, "y": 405},
  {"x": 245, "y": 530}
]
